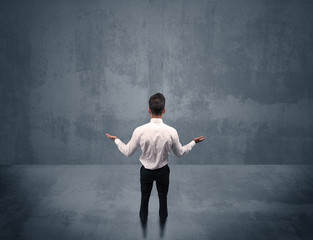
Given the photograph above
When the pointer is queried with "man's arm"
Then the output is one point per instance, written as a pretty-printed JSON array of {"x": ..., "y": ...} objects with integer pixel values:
[
  {"x": 180, "y": 150},
  {"x": 131, "y": 147}
]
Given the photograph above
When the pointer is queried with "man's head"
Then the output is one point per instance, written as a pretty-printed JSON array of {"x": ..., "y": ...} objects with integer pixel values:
[{"x": 157, "y": 104}]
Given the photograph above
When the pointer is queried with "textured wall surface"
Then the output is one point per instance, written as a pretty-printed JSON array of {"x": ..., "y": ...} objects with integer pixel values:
[{"x": 238, "y": 71}]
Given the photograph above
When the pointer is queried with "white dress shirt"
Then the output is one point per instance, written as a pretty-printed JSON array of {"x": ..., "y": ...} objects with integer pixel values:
[{"x": 156, "y": 141}]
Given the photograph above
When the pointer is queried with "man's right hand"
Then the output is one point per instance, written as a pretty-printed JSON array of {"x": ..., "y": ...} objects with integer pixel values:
[
  {"x": 199, "y": 139},
  {"x": 111, "y": 137}
]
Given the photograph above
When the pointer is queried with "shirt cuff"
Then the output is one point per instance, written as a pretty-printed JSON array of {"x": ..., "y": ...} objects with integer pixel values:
[
  {"x": 192, "y": 143},
  {"x": 117, "y": 141}
]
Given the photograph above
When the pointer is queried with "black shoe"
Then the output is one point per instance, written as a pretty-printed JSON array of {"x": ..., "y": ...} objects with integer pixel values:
[
  {"x": 143, "y": 219},
  {"x": 163, "y": 220},
  {"x": 163, "y": 217}
]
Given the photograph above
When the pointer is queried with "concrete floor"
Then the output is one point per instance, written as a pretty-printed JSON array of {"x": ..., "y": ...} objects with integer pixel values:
[{"x": 205, "y": 202}]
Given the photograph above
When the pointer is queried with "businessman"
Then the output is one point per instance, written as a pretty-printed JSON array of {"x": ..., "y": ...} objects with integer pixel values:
[{"x": 156, "y": 141}]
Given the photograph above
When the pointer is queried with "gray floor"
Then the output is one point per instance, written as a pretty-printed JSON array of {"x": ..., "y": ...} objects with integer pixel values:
[{"x": 205, "y": 202}]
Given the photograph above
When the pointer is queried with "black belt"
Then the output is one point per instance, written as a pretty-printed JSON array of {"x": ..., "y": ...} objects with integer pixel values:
[{"x": 158, "y": 169}]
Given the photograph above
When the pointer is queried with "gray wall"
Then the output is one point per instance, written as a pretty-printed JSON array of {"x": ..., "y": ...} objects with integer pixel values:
[{"x": 238, "y": 71}]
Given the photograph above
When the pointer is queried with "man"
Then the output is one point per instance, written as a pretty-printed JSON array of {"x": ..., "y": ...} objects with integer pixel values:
[{"x": 156, "y": 141}]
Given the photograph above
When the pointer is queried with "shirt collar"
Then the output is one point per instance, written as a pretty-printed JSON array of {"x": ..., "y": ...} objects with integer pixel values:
[{"x": 156, "y": 120}]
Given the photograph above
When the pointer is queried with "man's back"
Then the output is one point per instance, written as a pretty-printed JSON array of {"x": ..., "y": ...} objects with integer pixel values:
[{"x": 156, "y": 141}]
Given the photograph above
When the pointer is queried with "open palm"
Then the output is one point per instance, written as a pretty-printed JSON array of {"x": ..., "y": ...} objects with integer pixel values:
[
  {"x": 199, "y": 139},
  {"x": 111, "y": 137}
]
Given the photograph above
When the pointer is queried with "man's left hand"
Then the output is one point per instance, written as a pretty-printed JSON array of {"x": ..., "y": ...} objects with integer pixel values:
[{"x": 111, "y": 137}]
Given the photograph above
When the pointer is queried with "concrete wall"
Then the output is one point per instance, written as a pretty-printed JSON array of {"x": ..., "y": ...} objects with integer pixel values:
[{"x": 238, "y": 71}]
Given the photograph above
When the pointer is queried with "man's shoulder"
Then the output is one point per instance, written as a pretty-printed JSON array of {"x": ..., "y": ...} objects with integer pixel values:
[
  {"x": 141, "y": 127},
  {"x": 169, "y": 127},
  {"x": 148, "y": 125}
]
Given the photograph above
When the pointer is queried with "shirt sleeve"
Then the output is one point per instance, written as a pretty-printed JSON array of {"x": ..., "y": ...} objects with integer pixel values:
[
  {"x": 178, "y": 149},
  {"x": 130, "y": 148}
]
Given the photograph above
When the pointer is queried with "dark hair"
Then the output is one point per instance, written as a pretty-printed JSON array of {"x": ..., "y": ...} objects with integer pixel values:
[{"x": 157, "y": 104}]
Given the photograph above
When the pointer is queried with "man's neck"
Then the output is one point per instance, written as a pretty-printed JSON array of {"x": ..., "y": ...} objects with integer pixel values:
[{"x": 156, "y": 116}]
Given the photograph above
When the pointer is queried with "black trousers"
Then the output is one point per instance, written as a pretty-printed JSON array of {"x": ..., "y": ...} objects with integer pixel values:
[{"x": 147, "y": 176}]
